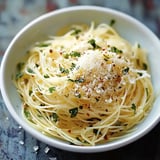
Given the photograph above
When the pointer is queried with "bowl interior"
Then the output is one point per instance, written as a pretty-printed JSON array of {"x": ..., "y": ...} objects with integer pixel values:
[{"x": 49, "y": 24}]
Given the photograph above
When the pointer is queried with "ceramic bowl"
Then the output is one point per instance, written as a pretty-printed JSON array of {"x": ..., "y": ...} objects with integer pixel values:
[{"x": 48, "y": 24}]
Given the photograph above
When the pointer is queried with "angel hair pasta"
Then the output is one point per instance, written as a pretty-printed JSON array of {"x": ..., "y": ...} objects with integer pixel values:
[{"x": 87, "y": 86}]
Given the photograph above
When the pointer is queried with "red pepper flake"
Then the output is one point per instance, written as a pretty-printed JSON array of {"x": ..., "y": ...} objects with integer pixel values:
[
  {"x": 102, "y": 64},
  {"x": 69, "y": 131},
  {"x": 106, "y": 137},
  {"x": 101, "y": 79},
  {"x": 50, "y": 50},
  {"x": 118, "y": 78},
  {"x": 88, "y": 114}
]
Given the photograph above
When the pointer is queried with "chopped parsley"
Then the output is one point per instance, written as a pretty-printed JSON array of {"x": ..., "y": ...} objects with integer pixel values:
[
  {"x": 140, "y": 74},
  {"x": 52, "y": 89},
  {"x": 79, "y": 80},
  {"x": 73, "y": 65},
  {"x": 138, "y": 45},
  {"x": 106, "y": 57},
  {"x": 19, "y": 68},
  {"x": 27, "y": 113},
  {"x": 72, "y": 54},
  {"x": 55, "y": 117},
  {"x": 97, "y": 99},
  {"x": 73, "y": 112},
  {"x": 95, "y": 131},
  {"x": 145, "y": 67},
  {"x": 112, "y": 22},
  {"x": 147, "y": 93},
  {"x": 46, "y": 76},
  {"x": 125, "y": 70},
  {"x": 93, "y": 43},
  {"x": 29, "y": 70},
  {"x": 37, "y": 65},
  {"x": 75, "y": 32},
  {"x": 133, "y": 107},
  {"x": 63, "y": 70},
  {"x": 118, "y": 123},
  {"x": 66, "y": 56},
  {"x": 19, "y": 75},
  {"x": 43, "y": 45},
  {"x": 75, "y": 54},
  {"x": 116, "y": 50},
  {"x": 30, "y": 92}
]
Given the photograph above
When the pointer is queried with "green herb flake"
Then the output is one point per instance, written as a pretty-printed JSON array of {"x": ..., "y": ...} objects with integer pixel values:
[
  {"x": 46, "y": 76},
  {"x": 20, "y": 66},
  {"x": 106, "y": 57},
  {"x": 63, "y": 70},
  {"x": 145, "y": 67},
  {"x": 19, "y": 75},
  {"x": 138, "y": 62},
  {"x": 75, "y": 32},
  {"x": 95, "y": 131},
  {"x": 43, "y": 45},
  {"x": 147, "y": 93},
  {"x": 52, "y": 89},
  {"x": 138, "y": 45},
  {"x": 71, "y": 80},
  {"x": 66, "y": 56},
  {"x": 55, "y": 117},
  {"x": 140, "y": 74},
  {"x": 73, "y": 112},
  {"x": 75, "y": 54},
  {"x": 97, "y": 99},
  {"x": 125, "y": 70},
  {"x": 78, "y": 139},
  {"x": 118, "y": 123},
  {"x": 112, "y": 22},
  {"x": 37, "y": 65},
  {"x": 30, "y": 70},
  {"x": 79, "y": 80},
  {"x": 116, "y": 50},
  {"x": 30, "y": 92},
  {"x": 133, "y": 107},
  {"x": 93, "y": 43},
  {"x": 27, "y": 113},
  {"x": 73, "y": 65}
]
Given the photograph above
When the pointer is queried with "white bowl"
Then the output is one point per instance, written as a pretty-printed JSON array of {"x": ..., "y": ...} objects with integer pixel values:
[{"x": 48, "y": 24}]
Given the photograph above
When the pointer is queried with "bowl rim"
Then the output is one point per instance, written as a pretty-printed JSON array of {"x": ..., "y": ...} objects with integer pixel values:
[{"x": 57, "y": 143}]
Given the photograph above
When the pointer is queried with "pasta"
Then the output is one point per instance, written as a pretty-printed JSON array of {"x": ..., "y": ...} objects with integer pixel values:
[{"x": 87, "y": 86}]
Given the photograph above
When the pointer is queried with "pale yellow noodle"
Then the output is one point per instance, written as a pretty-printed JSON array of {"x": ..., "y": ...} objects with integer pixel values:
[{"x": 88, "y": 86}]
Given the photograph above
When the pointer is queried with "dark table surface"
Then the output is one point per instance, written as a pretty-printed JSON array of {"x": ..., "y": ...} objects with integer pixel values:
[{"x": 15, "y": 143}]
